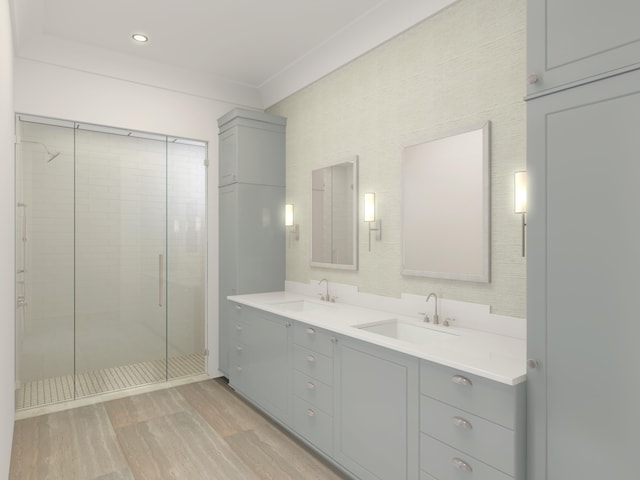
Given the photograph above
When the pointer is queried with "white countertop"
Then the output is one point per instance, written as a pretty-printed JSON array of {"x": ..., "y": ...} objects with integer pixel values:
[{"x": 488, "y": 355}]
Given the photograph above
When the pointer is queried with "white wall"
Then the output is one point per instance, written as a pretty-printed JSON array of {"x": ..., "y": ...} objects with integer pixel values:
[
  {"x": 60, "y": 92},
  {"x": 456, "y": 70},
  {"x": 7, "y": 210}
]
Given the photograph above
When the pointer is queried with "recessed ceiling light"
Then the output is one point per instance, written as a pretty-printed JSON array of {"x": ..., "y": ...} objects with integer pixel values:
[{"x": 138, "y": 37}]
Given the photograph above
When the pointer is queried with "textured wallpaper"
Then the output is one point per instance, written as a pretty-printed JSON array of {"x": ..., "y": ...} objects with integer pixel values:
[{"x": 454, "y": 71}]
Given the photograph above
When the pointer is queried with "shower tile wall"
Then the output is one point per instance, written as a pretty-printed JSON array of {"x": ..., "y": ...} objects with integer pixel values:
[{"x": 115, "y": 177}]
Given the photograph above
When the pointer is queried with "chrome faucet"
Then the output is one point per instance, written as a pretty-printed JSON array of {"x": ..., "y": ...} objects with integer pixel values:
[
  {"x": 325, "y": 297},
  {"x": 436, "y": 319}
]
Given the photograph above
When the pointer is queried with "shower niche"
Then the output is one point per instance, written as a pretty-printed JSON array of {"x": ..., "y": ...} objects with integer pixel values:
[{"x": 110, "y": 259}]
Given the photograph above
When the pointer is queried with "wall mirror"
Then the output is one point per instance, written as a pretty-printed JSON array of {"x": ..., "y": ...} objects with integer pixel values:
[
  {"x": 445, "y": 209},
  {"x": 334, "y": 214}
]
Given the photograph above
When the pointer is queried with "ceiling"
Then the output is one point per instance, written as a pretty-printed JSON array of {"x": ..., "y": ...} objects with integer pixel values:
[{"x": 247, "y": 42}]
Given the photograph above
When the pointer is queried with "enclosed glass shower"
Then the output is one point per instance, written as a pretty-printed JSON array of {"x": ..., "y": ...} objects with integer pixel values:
[{"x": 110, "y": 259}]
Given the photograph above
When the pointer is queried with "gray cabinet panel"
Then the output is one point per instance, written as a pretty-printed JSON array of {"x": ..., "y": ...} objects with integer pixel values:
[
  {"x": 491, "y": 443},
  {"x": 313, "y": 424},
  {"x": 260, "y": 259},
  {"x": 492, "y": 400},
  {"x": 582, "y": 278},
  {"x": 252, "y": 242},
  {"x": 578, "y": 40},
  {"x": 377, "y": 412},
  {"x": 263, "y": 365},
  {"x": 313, "y": 391},
  {"x": 446, "y": 463},
  {"x": 313, "y": 364},
  {"x": 313, "y": 338},
  {"x": 228, "y": 232},
  {"x": 252, "y": 148}
]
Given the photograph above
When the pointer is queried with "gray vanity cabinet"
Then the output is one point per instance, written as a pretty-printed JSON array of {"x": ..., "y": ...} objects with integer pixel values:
[
  {"x": 376, "y": 418},
  {"x": 571, "y": 42},
  {"x": 261, "y": 360},
  {"x": 583, "y": 266},
  {"x": 251, "y": 212}
]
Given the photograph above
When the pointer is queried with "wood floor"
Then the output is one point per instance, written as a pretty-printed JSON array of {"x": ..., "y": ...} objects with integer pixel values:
[{"x": 197, "y": 431}]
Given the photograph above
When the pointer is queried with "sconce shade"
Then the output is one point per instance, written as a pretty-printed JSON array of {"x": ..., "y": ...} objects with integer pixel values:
[
  {"x": 369, "y": 207},
  {"x": 288, "y": 215},
  {"x": 520, "y": 192}
]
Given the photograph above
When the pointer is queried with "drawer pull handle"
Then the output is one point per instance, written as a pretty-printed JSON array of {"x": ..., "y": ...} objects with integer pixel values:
[
  {"x": 461, "y": 465},
  {"x": 334, "y": 340},
  {"x": 311, "y": 386},
  {"x": 460, "y": 380},
  {"x": 311, "y": 331},
  {"x": 238, "y": 348},
  {"x": 311, "y": 413},
  {"x": 239, "y": 369},
  {"x": 238, "y": 328},
  {"x": 461, "y": 422},
  {"x": 311, "y": 358},
  {"x": 238, "y": 307}
]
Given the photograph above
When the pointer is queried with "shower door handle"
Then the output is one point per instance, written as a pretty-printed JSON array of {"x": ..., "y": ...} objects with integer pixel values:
[{"x": 161, "y": 282}]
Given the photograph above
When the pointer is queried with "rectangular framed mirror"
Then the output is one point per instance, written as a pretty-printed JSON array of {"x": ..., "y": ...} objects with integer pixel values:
[
  {"x": 445, "y": 210},
  {"x": 334, "y": 214}
]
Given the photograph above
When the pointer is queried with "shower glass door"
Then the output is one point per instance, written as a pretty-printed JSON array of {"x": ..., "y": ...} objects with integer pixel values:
[
  {"x": 120, "y": 260},
  {"x": 110, "y": 259}
]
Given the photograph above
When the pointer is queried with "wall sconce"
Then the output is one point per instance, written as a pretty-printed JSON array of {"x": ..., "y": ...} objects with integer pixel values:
[
  {"x": 520, "y": 204},
  {"x": 293, "y": 229},
  {"x": 370, "y": 216}
]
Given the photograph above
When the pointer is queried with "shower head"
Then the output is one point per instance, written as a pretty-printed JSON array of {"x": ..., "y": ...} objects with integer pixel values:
[{"x": 51, "y": 154}]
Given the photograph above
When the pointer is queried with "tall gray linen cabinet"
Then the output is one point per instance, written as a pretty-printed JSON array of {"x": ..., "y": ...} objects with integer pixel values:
[{"x": 251, "y": 210}]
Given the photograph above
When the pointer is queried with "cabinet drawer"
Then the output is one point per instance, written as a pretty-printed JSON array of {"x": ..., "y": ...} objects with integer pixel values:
[
  {"x": 313, "y": 391},
  {"x": 313, "y": 338},
  {"x": 446, "y": 463},
  {"x": 313, "y": 364},
  {"x": 484, "y": 440},
  {"x": 488, "y": 399},
  {"x": 313, "y": 424}
]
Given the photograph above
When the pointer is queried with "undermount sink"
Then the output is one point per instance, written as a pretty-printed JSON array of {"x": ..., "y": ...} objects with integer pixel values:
[
  {"x": 300, "y": 306},
  {"x": 406, "y": 331}
]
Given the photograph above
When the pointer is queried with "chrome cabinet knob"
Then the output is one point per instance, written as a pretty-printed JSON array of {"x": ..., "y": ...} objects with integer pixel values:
[
  {"x": 311, "y": 386},
  {"x": 311, "y": 413},
  {"x": 462, "y": 423},
  {"x": 533, "y": 364},
  {"x": 460, "y": 380},
  {"x": 461, "y": 465},
  {"x": 532, "y": 78},
  {"x": 311, "y": 331},
  {"x": 311, "y": 358}
]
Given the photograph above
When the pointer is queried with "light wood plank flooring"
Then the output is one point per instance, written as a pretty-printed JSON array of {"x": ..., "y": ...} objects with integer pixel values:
[{"x": 201, "y": 430}]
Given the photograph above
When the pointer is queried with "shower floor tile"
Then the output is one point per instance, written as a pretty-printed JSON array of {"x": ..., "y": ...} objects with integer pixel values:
[{"x": 61, "y": 389}]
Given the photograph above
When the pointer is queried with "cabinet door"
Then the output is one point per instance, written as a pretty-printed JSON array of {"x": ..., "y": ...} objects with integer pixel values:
[
  {"x": 261, "y": 238},
  {"x": 376, "y": 420},
  {"x": 576, "y": 40},
  {"x": 252, "y": 154},
  {"x": 583, "y": 270},
  {"x": 267, "y": 369},
  {"x": 227, "y": 157},
  {"x": 228, "y": 218}
]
